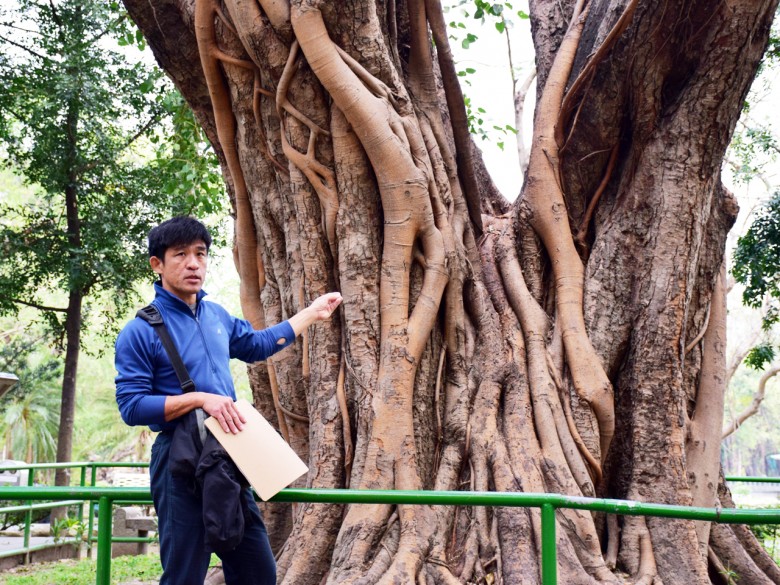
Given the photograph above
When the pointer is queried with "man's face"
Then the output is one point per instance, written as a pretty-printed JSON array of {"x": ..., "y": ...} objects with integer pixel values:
[{"x": 183, "y": 270}]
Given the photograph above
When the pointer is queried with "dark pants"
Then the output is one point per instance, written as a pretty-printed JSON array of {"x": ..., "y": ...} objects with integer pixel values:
[{"x": 180, "y": 527}]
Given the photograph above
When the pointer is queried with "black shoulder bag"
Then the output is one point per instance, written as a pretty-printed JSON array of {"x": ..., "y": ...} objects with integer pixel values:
[{"x": 151, "y": 315}]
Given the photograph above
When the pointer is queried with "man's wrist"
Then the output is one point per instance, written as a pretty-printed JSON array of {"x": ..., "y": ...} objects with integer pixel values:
[{"x": 302, "y": 320}]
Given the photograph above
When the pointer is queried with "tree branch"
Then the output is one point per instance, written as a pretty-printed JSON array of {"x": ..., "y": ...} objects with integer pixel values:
[
  {"x": 54, "y": 13},
  {"x": 20, "y": 46},
  {"x": 9, "y": 25},
  {"x": 39, "y": 307},
  {"x": 758, "y": 398},
  {"x": 141, "y": 131},
  {"x": 105, "y": 31}
]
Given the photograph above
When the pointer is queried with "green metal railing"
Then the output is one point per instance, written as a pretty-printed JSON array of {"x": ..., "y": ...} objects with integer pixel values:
[
  {"x": 748, "y": 479},
  {"x": 548, "y": 503},
  {"x": 28, "y": 507}
]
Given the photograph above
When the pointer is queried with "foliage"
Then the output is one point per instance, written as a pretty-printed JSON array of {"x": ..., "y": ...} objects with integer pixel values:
[
  {"x": 68, "y": 527},
  {"x": 500, "y": 12},
  {"x": 8, "y": 519},
  {"x": 765, "y": 532},
  {"x": 759, "y": 356},
  {"x": 756, "y": 262},
  {"x": 29, "y": 419},
  {"x": 753, "y": 147},
  {"x": 79, "y": 120}
]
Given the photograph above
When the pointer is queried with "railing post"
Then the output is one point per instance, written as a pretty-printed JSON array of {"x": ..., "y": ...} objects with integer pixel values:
[
  {"x": 28, "y": 518},
  {"x": 549, "y": 543},
  {"x": 82, "y": 483},
  {"x": 91, "y": 519},
  {"x": 104, "y": 541}
]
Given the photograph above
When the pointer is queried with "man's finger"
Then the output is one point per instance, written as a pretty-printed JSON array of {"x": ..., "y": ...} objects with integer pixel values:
[
  {"x": 234, "y": 415},
  {"x": 222, "y": 419},
  {"x": 232, "y": 424}
]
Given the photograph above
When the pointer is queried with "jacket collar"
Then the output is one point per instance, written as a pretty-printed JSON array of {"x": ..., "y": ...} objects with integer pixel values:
[{"x": 171, "y": 301}]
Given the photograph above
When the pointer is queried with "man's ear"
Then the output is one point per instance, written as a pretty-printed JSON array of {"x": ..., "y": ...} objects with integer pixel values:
[{"x": 156, "y": 264}]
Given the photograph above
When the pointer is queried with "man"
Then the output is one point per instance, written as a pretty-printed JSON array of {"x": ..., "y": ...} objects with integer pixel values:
[{"x": 148, "y": 393}]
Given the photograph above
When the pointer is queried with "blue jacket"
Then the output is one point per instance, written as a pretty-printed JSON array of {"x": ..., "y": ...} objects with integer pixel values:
[{"x": 206, "y": 342}]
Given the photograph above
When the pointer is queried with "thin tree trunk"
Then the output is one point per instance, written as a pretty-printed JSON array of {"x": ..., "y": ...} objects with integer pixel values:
[
  {"x": 75, "y": 299},
  {"x": 68, "y": 403}
]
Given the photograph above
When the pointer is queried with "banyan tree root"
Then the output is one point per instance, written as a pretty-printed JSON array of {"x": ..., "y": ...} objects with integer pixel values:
[
  {"x": 397, "y": 153},
  {"x": 578, "y": 541},
  {"x": 246, "y": 239},
  {"x": 637, "y": 554},
  {"x": 549, "y": 218}
]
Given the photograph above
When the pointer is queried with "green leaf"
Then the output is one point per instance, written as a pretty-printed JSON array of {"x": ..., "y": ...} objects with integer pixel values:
[
  {"x": 759, "y": 356},
  {"x": 470, "y": 38},
  {"x": 500, "y": 26}
]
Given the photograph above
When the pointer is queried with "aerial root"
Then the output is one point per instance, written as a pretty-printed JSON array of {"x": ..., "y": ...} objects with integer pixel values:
[
  {"x": 374, "y": 85},
  {"x": 648, "y": 572},
  {"x": 346, "y": 431},
  {"x": 246, "y": 238},
  {"x": 701, "y": 333},
  {"x": 321, "y": 178},
  {"x": 579, "y": 88},
  {"x": 594, "y": 201},
  {"x": 594, "y": 466},
  {"x": 436, "y": 403},
  {"x": 260, "y": 91},
  {"x": 613, "y": 540}
]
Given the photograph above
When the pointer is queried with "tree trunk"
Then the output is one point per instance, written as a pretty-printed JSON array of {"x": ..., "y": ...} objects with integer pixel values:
[
  {"x": 75, "y": 299},
  {"x": 68, "y": 403},
  {"x": 561, "y": 343}
]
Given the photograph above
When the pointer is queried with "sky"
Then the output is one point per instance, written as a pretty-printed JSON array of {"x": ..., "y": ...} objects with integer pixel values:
[{"x": 489, "y": 86}]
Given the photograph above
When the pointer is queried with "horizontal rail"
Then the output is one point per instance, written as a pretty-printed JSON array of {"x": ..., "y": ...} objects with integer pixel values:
[
  {"x": 528, "y": 500},
  {"x": 743, "y": 478},
  {"x": 37, "y": 547},
  {"x": 432, "y": 498},
  {"x": 548, "y": 503},
  {"x": 86, "y": 464},
  {"x": 43, "y": 506}
]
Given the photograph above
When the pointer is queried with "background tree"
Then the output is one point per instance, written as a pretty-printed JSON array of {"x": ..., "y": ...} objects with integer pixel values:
[
  {"x": 480, "y": 344},
  {"x": 75, "y": 114}
]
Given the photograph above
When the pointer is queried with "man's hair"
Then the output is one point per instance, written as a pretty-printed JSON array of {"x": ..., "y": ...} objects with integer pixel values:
[{"x": 177, "y": 231}]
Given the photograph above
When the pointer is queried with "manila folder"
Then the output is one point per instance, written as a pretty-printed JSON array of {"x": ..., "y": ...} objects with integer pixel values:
[{"x": 259, "y": 452}]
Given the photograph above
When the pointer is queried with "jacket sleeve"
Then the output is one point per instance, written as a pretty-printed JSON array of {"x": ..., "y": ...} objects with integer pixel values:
[
  {"x": 134, "y": 361},
  {"x": 250, "y": 345}
]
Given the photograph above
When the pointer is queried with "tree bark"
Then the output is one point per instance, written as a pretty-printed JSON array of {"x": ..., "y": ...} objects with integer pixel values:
[
  {"x": 552, "y": 344},
  {"x": 73, "y": 313}
]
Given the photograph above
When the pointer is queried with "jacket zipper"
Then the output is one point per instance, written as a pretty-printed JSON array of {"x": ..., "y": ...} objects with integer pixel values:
[{"x": 205, "y": 345}]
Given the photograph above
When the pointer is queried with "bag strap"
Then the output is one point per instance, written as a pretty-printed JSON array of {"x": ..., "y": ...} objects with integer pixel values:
[{"x": 151, "y": 315}]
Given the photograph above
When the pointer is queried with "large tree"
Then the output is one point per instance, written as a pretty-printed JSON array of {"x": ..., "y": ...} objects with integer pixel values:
[{"x": 572, "y": 341}]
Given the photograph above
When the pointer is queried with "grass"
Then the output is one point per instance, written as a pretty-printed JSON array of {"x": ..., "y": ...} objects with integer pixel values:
[
  {"x": 134, "y": 569},
  {"x": 140, "y": 568}
]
